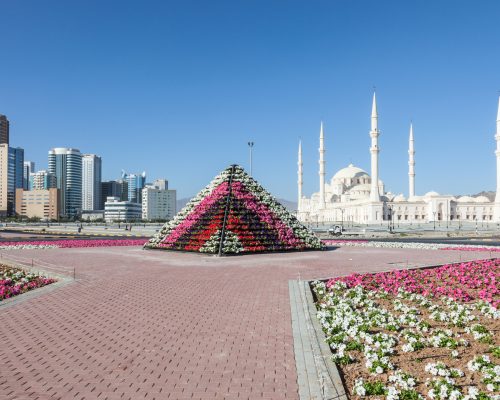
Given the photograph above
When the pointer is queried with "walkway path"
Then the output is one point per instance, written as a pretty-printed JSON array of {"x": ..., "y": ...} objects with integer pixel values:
[{"x": 157, "y": 325}]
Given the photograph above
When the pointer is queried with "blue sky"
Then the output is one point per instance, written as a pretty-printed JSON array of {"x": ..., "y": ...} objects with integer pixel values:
[{"x": 177, "y": 88}]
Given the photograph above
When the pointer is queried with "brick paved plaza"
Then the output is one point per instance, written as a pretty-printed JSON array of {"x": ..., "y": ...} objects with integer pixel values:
[{"x": 159, "y": 325}]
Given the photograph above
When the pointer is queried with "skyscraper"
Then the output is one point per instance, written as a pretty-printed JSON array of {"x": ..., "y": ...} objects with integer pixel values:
[
  {"x": 29, "y": 168},
  {"x": 117, "y": 188},
  {"x": 136, "y": 183},
  {"x": 91, "y": 182},
  {"x": 42, "y": 180},
  {"x": 4, "y": 129},
  {"x": 66, "y": 165},
  {"x": 11, "y": 177}
]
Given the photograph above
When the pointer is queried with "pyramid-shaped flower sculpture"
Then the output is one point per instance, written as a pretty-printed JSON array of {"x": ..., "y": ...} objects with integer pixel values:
[{"x": 234, "y": 214}]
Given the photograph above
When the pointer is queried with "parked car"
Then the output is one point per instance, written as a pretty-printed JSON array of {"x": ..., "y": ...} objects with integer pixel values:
[{"x": 335, "y": 230}]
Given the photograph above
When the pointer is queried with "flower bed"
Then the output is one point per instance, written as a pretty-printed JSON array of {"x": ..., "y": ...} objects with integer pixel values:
[
  {"x": 53, "y": 244},
  {"x": 14, "y": 281},
  {"x": 234, "y": 214},
  {"x": 411, "y": 334},
  {"x": 409, "y": 245}
]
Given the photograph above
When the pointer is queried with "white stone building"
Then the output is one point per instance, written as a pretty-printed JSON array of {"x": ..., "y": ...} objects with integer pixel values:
[
  {"x": 157, "y": 203},
  {"x": 353, "y": 195},
  {"x": 121, "y": 211},
  {"x": 91, "y": 182}
]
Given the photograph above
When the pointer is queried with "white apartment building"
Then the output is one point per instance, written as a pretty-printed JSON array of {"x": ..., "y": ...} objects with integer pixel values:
[
  {"x": 126, "y": 211},
  {"x": 158, "y": 203},
  {"x": 42, "y": 180},
  {"x": 91, "y": 182}
]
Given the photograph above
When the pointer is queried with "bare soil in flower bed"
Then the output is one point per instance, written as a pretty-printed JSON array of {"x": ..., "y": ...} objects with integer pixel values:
[
  {"x": 454, "y": 302},
  {"x": 414, "y": 363}
]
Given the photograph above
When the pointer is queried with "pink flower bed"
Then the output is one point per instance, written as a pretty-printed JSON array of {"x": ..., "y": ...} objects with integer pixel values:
[
  {"x": 466, "y": 248},
  {"x": 76, "y": 243},
  {"x": 15, "y": 281},
  {"x": 333, "y": 242},
  {"x": 462, "y": 281}
]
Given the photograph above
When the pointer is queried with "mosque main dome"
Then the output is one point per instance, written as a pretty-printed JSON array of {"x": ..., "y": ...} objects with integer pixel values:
[{"x": 351, "y": 176}]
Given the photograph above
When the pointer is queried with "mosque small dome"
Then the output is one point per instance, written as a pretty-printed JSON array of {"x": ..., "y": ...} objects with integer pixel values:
[
  {"x": 466, "y": 199},
  {"x": 399, "y": 198},
  {"x": 481, "y": 199},
  {"x": 431, "y": 194}
]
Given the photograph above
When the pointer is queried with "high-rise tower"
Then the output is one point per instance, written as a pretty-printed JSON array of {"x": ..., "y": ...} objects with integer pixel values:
[
  {"x": 136, "y": 182},
  {"x": 11, "y": 177},
  {"x": 66, "y": 165},
  {"x": 29, "y": 168},
  {"x": 4, "y": 129},
  {"x": 91, "y": 182}
]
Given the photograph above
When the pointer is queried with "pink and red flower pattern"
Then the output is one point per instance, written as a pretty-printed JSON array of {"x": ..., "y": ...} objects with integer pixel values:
[
  {"x": 76, "y": 243},
  {"x": 255, "y": 218},
  {"x": 15, "y": 281},
  {"x": 462, "y": 281}
]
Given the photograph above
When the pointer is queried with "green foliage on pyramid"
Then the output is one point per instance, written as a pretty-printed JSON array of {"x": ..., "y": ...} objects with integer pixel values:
[{"x": 234, "y": 215}]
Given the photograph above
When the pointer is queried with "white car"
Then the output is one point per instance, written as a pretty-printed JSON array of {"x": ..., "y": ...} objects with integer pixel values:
[{"x": 335, "y": 230}]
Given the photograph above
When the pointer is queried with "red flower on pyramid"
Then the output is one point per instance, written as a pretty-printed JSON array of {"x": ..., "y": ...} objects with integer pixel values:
[{"x": 234, "y": 214}]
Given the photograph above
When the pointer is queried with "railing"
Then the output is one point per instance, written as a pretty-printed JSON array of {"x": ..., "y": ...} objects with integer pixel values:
[{"x": 39, "y": 266}]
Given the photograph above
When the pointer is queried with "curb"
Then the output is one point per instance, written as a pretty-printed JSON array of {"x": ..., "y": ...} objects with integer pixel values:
[
  {"x": 317, "y": 377},
  {"x": 62, "y": 280}
]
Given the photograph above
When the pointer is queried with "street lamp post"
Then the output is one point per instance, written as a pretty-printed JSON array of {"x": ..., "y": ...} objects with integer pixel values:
[
  {"x": 250, "y": 145},
  {"x": 434, "y": 212},
  {"x": 342, "y": 221}
]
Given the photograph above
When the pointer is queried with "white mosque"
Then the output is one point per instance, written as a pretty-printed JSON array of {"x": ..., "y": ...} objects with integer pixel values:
[{"x": 352, "y": 195}]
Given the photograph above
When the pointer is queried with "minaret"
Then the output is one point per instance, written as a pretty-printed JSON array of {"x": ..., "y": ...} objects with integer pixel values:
[
  {"x": 374, "y": 150},
  {"x": 321, "y": 168},
  {"x": 497, "y": 153},
  {"x": 411, "y": 164},
  {"x": 299, "y": 173}
]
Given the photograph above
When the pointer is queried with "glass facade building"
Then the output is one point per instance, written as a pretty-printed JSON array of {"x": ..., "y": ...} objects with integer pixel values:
[
  {"x": 66, "y": 165},
  {"x": 136, "y": 183},
  {"x": 42, "y": 180},
  {"x": 117, "y": 188},
  {"x": 28, "y": 169},
  {"x": 11, "y": 177}
]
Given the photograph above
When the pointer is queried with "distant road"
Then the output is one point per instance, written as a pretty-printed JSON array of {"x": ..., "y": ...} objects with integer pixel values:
[{"x": 477, "y": 241}]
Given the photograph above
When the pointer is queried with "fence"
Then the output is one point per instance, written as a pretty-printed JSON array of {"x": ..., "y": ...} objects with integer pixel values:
[{"x": 39, "y": 266}]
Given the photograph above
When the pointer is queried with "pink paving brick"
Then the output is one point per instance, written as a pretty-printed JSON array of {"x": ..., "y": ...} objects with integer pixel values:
[{"x": 155, "y": 325}]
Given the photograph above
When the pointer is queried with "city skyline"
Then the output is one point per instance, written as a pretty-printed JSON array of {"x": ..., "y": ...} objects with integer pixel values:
[{"x": 184, "y": 103}]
